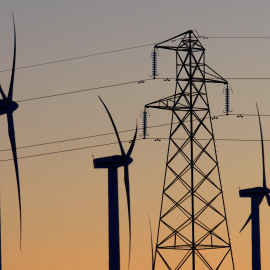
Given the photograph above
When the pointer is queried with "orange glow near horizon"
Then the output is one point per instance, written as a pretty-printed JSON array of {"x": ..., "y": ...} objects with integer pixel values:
[{"x": 64, "y": 199}]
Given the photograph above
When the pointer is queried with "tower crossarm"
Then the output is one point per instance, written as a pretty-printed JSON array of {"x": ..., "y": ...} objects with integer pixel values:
[
  {"x": 167, "y": 103},
  {"x": 173, "y": 38},
  {"x": 214, "y": 77}
]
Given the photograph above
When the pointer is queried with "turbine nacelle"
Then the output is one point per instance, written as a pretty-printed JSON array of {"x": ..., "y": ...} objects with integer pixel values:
[
  {"x": 252, "y": 192},
  {"x": 112, "y": 162},
  {"x": 7, "y": 106}
]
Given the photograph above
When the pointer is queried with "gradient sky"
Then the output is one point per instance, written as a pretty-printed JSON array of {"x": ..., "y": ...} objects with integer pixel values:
[{"x": 64, "y": 200}]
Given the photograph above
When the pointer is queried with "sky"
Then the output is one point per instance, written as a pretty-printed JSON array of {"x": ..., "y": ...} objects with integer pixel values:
[{"x": 64, "y": 199}]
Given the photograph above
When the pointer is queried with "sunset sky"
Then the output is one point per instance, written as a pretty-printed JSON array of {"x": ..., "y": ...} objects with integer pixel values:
[{"x": 64, "y": 200}]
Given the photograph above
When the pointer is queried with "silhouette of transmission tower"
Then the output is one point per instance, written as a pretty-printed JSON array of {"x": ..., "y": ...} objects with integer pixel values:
[{"x": 193, "y": 230}]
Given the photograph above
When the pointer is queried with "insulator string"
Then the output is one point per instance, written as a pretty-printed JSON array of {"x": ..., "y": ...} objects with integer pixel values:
[
  {"x": 227, "y": 90},
  {"x": 154, "y": 63},
  {"x": 144, "y": 115}
]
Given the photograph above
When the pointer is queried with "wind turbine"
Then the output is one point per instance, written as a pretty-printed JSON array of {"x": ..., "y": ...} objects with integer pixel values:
[
  {"x": 256, "y": 194},
  {"x": 8, "y": 106},
  {"x": 112, "y": 163}
]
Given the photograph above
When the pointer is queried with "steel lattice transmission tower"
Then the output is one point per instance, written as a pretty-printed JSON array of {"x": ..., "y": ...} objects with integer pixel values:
[{"x": 193, "y": 231}]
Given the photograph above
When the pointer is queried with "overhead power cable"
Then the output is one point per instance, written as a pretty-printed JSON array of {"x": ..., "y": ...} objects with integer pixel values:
[
  {"x": 81, "y": 90},
  {"x": 106, "y": 144},
  {"x": 118, "y": 84},
  {"x": 66, "y": 140},
  {"x": 118, "y": 50},
  {"x": 111, "y": 133},
  {"x": 244, "y": 114},
  {"x": 123, "y": 131},
  {"x": 78, "y": 138},
  {"x": 228, "y": 78},
  {"x": 249, "y": 78},
  {"x": 236, "y": 37},
  {"x": 221, "y": 139},
  {"x": 78, "y": 57},
  {"x": 67, "y": 150}
]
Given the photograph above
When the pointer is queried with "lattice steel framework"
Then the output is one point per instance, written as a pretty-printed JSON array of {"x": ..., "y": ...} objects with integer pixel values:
[{"x": 193, "y": 230}]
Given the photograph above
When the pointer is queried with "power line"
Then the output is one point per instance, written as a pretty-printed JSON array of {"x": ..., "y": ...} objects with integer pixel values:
[
  {"x": 81, "y": 90},
  {"x": 118, "y": 50},
  {"x": 111, "y": 133},
  {"x": 87, "y": 137},
  {"x": 79, "y": 138},
  {"x": 249, "y": 78},
  {"x": 236, "y": 37},
  {"x": 106, "y": 144},
  {"x": 66, "y": 140},
  {"x": 233, "y": 78},
  {"x": 64, "y": 151},
  {"x": 221, "y": 139},
  {"x": 78, "y": 57},
  {"x": 119, "y": 84},
  {"x": 240, "y": 114},
  {"x": 123, "y": 131}
]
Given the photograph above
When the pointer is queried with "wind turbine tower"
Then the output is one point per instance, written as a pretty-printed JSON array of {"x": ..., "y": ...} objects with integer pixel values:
[
  {"x": 192, "y": 230},
  {"x": 256, "y": 195},
  {"x": 112, "y": 163}
]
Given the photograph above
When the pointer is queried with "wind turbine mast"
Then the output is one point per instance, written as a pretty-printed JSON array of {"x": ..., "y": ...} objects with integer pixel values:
[{"x": 192, "y": 221}]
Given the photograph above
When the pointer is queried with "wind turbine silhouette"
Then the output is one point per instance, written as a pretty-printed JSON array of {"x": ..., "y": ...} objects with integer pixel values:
[
  {"x": 8, "y": 106},
  {"x": 112, "y": 163},
  {"x": 256, "y": 194}
]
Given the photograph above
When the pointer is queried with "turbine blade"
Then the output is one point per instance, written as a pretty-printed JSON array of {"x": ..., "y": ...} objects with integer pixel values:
[
  {"x": 11, "y": 133},
  {"x": 268, "y": 198},
  {"x": 115, "y": 129},
  {"x": 126, "y": 178},
  {"x": 10, "y": 92},
  {"x": 249, "y": 218},
  {"x": 261, "y": 199},
  {"x": 2, "y": 93},
  {"x": 152, "y": 247},
  {"x": 263, "y": 160},
  {"x": 133, "y": 142}
]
